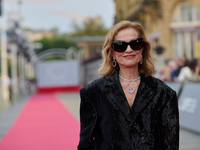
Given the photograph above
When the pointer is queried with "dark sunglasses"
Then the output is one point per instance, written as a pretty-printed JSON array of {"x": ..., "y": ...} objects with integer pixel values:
[{"x": 121, "y": 46}]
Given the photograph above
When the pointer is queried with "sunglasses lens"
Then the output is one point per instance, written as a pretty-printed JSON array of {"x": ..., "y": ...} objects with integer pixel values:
[
  {"x": 119, "y": 46},
  {"x": 136, "y": 45}
]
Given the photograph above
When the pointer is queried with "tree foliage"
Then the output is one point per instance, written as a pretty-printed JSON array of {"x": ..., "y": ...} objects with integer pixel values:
[
  {"x": 90, "y": 27},
  {"x": 56, "y": 41}
]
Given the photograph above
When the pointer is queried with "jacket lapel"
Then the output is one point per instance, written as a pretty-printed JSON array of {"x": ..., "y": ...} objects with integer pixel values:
[
  {"x": 145, "y": 93},
  {"x": 115, "y": 94}
]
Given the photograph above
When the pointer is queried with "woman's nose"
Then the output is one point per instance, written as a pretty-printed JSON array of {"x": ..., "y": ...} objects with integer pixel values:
[{"x": 128, "y": 49}]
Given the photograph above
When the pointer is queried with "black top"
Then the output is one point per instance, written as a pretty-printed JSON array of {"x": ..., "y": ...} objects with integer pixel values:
[{"x": 108, "y": 123}]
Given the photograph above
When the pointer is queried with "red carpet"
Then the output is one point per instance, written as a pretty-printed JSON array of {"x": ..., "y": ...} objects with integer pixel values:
[{"x": 43, "y": 124}]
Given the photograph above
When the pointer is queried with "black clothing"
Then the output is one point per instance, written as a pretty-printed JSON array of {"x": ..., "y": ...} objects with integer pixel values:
[
  {"x": 108, "y": 123},
  {"x": 175, "y": 73}
]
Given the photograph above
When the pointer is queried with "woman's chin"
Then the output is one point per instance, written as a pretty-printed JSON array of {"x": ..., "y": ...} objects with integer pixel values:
[{"x": 129, "y": 65}]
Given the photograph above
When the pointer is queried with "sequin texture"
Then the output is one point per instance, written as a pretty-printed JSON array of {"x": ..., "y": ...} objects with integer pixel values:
[{"x": 108, "y": 123}]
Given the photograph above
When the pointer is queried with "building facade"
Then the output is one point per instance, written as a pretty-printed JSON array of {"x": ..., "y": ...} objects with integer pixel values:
[
  {"x": 91, "y": 60},
  {"x": 174, "y": 25},
  {"x": 90, "y": 45}
]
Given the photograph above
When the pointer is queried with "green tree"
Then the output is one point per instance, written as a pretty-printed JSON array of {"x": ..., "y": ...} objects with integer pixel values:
[
  {"x": 57, "y": 41},
  {"x": 90, "y": 27}
]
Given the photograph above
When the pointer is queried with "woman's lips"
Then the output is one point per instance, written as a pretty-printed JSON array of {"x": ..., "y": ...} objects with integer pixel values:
[{"x": 129, "y": 56}]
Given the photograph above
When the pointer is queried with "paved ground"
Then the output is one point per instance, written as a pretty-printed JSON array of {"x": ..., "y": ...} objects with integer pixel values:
[
  {"x": 188, "y": 140},
  {"x": 71, "y": 101},
  {"x": 9, "y": 115}
]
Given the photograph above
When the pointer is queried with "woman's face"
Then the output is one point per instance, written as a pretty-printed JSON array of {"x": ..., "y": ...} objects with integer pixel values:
[{"x": 129, "y": 58}]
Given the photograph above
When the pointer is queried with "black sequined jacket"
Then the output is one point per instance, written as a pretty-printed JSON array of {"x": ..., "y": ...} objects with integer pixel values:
[{"x": 108, "y": 123}]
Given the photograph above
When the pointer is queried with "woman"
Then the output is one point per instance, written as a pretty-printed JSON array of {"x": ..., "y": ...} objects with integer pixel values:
[
  {"x": 186, "y": 72},
  {"x": 196, "y": 75},
  {"x": 127, "y": 108}
]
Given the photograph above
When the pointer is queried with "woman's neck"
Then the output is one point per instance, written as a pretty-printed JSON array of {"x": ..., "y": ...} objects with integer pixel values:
[{"x": 129, "y": 73}]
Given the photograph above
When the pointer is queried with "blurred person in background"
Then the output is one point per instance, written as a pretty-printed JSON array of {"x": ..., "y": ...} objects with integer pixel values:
[
  {"x": 171, "y": 65},
  {"x": 196, "y": 75},
  {"x": 176, "y": 71},
  {"x": 183, "y": 60},
  {"x": 180, "y": 62},
  {"x": 190, "y": 72},
  {"x": 164, "y": 72},
  {"x": 161, "y": 73},
  {"x": 186, "y": 72},
  {"x": 127, "y": 108}
]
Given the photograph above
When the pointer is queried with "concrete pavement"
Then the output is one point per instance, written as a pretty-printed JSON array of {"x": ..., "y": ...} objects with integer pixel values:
[
  {"x": 8, "y": 116},
  {"x": 188, "y": 140}
]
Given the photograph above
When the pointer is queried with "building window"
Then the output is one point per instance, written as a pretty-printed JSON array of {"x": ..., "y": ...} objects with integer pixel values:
[
  {"x": 185, "y": 24},
  {"x": 186, "y": 13}
]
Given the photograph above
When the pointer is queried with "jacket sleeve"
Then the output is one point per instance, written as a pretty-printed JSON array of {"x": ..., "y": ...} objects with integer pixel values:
[
  {"x": 170, "y": 123},
  {"x": 88, "y": 117}
]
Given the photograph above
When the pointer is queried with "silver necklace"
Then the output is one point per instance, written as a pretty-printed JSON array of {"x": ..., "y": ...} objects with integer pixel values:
[{"x": 130, "y": 89}]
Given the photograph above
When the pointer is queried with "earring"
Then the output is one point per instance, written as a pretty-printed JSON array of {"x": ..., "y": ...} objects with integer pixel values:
[
  {"x": 114, "y": 63},
  {"x": 141, "y": 61}
]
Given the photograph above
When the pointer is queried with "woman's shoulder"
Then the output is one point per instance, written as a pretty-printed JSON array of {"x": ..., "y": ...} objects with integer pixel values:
[
  {"x": 159, "y": 84},
  {"x": 93, "y": 89},
  {"x": 94, "y": 85}
]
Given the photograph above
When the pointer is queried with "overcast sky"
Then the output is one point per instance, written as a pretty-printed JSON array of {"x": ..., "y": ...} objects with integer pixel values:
[{"x": 37, "y": 14}]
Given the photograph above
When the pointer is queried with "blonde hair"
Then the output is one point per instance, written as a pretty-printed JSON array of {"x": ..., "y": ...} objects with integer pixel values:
[{"x": 147, "y": 67}]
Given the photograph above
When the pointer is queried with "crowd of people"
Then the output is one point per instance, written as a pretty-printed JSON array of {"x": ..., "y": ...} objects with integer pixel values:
[{"x": 179, "y": 69}]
